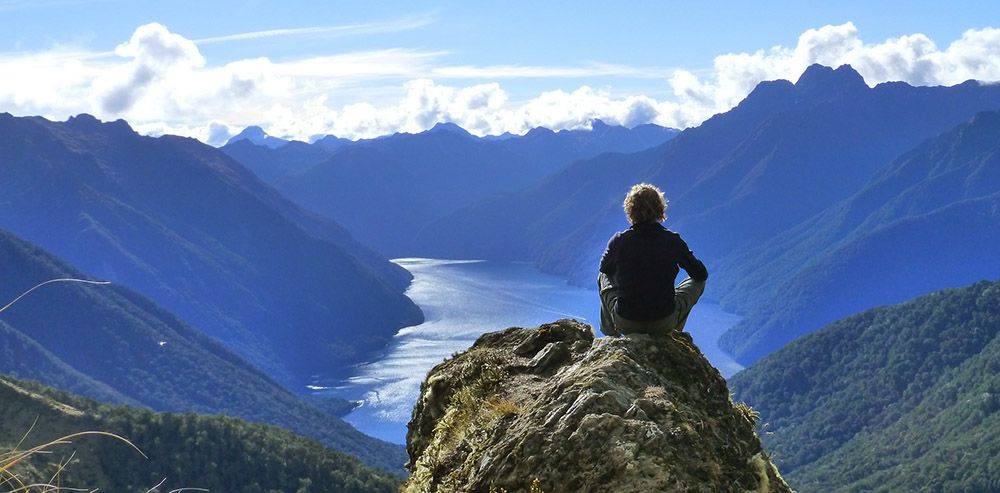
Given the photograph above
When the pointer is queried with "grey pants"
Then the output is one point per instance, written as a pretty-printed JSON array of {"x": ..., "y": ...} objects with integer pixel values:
[{"x": 612, "y": 324}]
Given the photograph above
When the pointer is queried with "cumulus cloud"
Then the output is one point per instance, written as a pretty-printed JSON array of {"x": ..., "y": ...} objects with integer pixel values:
[
  {"x": 154, "y": 45},
  {"x": 161, "y": 83},
  {"x": 155, "y": 53},
  {"x": 912, "y": 58},
  {"x": 481, "y": 109}
]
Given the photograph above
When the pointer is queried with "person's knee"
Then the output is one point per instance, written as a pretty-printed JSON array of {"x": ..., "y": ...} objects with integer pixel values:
[
  {"x": 699, "y": 287},
  {"x": 692, "y": 289}
]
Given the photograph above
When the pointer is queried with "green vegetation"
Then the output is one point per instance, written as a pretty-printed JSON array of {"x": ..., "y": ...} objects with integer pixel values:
[
  {"x": 113, "y": 345},
  {"x": 217, "y": 453},
  {"x": 476, "y": 405},
  {"x": 899, "y": 398},
  {"x": 533, "y": 488},
  {"x": 526, "y": 410}
]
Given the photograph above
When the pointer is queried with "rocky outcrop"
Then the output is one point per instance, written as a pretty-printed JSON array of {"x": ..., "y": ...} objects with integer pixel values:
[{"x": 552, "y": 410}]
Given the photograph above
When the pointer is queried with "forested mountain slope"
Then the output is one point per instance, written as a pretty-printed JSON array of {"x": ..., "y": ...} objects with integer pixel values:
[
  {"x": 898, "y": 398},
  {"x": 215, "y": 453}
]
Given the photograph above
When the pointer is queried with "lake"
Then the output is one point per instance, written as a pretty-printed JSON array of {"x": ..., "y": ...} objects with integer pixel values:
[{"x": 462, "y": 300}]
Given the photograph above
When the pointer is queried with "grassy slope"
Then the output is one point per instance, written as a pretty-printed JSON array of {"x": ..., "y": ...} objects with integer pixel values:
[{"x": 186, "y": 450}]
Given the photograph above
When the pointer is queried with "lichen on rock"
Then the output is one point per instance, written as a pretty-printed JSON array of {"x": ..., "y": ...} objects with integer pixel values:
[{"x": 556, "y": 407}]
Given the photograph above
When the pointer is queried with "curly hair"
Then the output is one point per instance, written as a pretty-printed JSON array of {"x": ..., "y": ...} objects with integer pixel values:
[{"x": 645, "y": 203}]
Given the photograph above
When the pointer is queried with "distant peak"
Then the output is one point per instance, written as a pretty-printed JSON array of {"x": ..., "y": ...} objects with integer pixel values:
[
  {"x": 820, "y": 79},
  {"x": 768, "y": 94},
  {"x": 814, "y": 71},
  {"x": 330, "y": 142},
  {"x": 252, "y": 131},
  {"x": 503, "y": 136},
  {"x": 83, "y": 118},
  {"x": 449, "y": 127},
  {"x": 598, "y": 124},
  {"x": 539, "y": 131},
  {"x": 86, "y": 120},
  {"x": 121, "y": 124},
  {"x": 258, "y": 136},
  {"x": 653, "y": 126}
]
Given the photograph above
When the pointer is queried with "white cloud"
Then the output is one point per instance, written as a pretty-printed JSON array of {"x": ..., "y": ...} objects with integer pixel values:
[
  {"x": 155, "y": 53},
  {"x": 47, "y": 83},
  {"x": 161, "y": 83},
  {"x": 912, "y": 58}
]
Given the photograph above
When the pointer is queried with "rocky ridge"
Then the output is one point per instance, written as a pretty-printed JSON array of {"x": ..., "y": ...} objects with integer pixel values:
[{"x": 553, "y": 409}]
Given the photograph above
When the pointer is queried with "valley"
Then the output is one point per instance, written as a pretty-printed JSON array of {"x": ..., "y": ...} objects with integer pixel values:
[{"x": 462, "y": 300}]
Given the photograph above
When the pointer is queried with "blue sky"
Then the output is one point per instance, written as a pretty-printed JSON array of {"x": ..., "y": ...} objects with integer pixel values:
[{"x": 365, "y": 68}]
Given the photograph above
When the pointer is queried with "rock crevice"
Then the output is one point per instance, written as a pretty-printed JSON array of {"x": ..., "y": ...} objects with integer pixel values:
[{"x": 554, "y": 409}]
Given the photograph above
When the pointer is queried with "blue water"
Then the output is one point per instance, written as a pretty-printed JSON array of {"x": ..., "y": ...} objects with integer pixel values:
[{"x": 462, "y": 300}]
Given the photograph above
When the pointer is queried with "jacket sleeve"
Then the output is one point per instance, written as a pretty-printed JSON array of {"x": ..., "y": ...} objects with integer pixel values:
[
  {"x": 609, "y": 261},
  {"x": 694, "y": 267}
]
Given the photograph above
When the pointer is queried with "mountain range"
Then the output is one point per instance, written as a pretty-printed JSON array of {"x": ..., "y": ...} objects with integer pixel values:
[
  {"x": 785, "y": 156},
  {"x": 386, "y": 190},
  {"x": 257, "y": 136},
  {"x": 927, "y": 221},
  {"x": 214, "y": 276},
  {"x": 897, "y": 398},
  {"x": 183, "y": 224},
  {"x": 241, "y": 274}
]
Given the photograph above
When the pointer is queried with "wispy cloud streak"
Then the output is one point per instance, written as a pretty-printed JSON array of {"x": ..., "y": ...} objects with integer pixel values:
[
  {"x": 541, "y": 71},
  {"x": 398, "y": 25}
]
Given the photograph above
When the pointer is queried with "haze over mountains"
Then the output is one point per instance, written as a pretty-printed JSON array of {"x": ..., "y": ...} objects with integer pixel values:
[
  {"x": 929, "y": 220},
  {"x": 386, "y": 190},
  {"x": 757, "y": 191},
  {"x": 185, "y": 225},
  {"x": 204, "y": 239},
  {"x": 780, "y": 158}
]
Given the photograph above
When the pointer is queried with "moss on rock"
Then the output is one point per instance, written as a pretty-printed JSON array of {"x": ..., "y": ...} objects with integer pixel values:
[{"x": 554, "y": 409}]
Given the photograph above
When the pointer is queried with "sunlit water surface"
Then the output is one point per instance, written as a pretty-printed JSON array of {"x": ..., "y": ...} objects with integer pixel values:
[{"x": 462, "y": 300}]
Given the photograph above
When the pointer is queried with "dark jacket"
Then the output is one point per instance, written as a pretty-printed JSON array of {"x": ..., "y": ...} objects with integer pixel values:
[{"x": 642, "y": 262}]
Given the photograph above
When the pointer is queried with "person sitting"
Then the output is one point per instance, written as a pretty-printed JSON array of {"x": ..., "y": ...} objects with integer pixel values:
[{"x": 639, "y": 268}]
